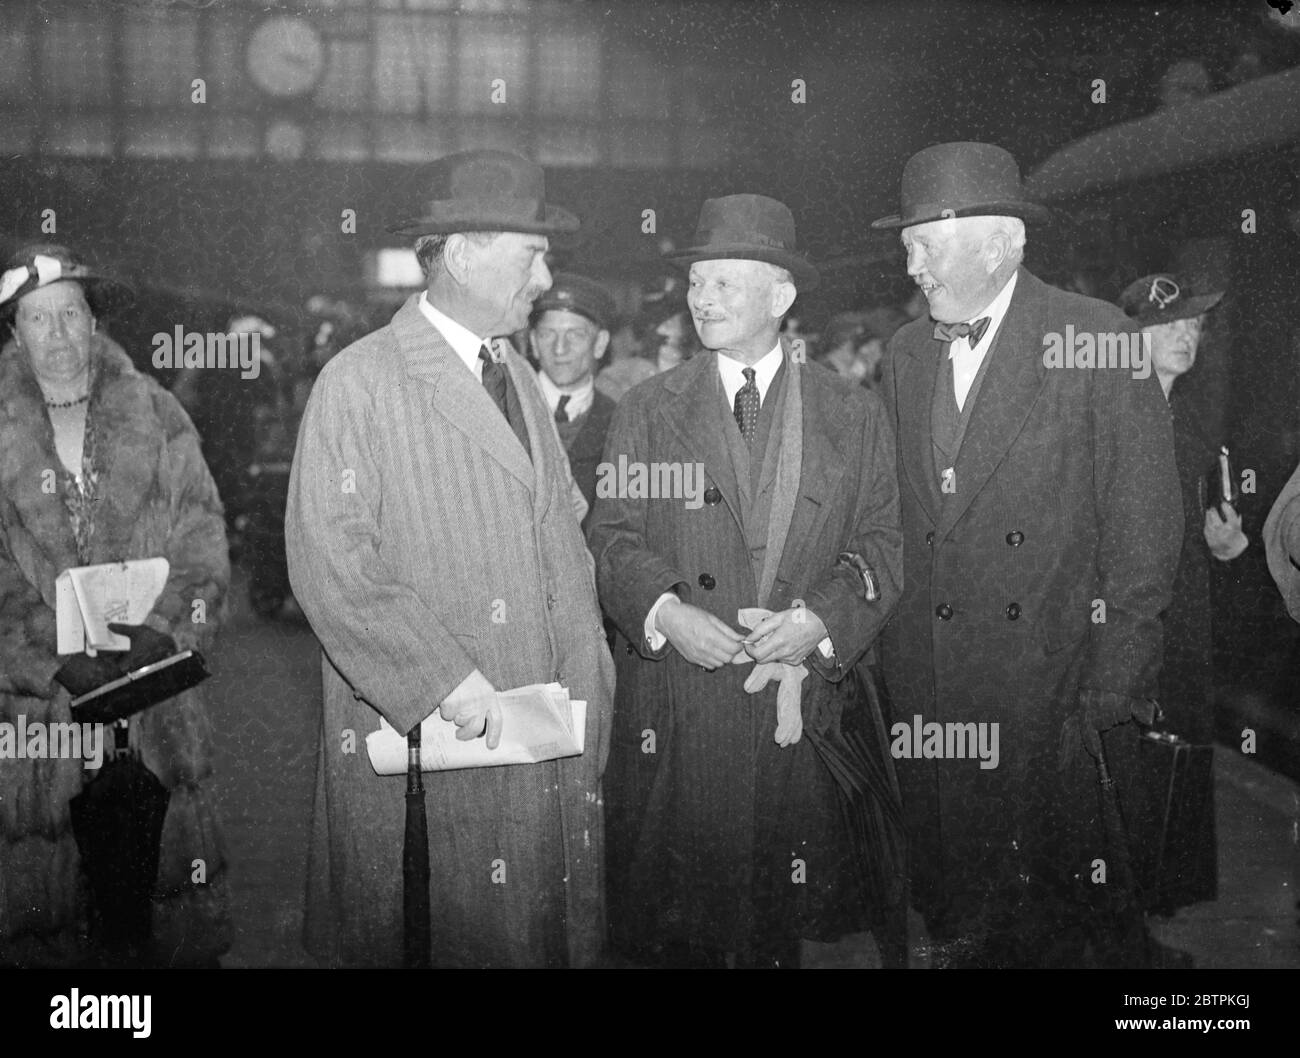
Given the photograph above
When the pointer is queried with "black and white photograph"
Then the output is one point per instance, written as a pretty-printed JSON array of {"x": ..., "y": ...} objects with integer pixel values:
[{"x": 665, "y": 485}]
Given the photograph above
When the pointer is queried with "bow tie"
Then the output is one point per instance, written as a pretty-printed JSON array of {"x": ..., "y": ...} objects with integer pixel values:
[{"x": 973, "y": 332}]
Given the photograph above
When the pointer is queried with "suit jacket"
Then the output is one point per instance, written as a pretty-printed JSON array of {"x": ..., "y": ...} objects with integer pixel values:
[
  {"x": 1067, "y": 501},
  {"x": 423, "y": 544},
  {"x": 588, "y": 446},
  {"x": 704, "y": 816}
]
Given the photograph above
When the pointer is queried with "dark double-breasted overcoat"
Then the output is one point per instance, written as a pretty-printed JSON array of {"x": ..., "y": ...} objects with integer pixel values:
[{"x": 1043, "y": 574}]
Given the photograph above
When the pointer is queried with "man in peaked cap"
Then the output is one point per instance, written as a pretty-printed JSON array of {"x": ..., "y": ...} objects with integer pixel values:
[
  {"x": 433, "y": 543},
  {"x": 1041, "y": 529},
  {"x": 569, "y": 336},
  {"x": 725, "y": 831}
]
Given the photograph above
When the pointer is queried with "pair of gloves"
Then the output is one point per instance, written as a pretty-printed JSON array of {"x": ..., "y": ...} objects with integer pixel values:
[
  {"x": 81, "y": 673},
  {"x": 789, "y": 693}
]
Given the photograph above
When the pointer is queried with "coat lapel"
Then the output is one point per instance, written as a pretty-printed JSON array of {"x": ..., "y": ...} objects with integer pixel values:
[
  {"x": 456, "y": 394},
  {"x": 692, "y": 414},
  {"x": 1015, "y": 376},
  {"x": 825, "y": 460},
  {"x": 915, "y": 372}
]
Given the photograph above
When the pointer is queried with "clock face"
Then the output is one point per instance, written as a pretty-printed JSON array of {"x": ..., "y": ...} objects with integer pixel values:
[{"x": 286, "y": 56}]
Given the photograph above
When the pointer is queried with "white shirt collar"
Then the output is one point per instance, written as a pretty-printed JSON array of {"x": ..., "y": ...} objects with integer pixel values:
[
  {"x": 732, "y": 373},
  {"x": 464, "y": 341},
  {"x": 996, "y": 310},
  {"x": 579, "y": 399}
]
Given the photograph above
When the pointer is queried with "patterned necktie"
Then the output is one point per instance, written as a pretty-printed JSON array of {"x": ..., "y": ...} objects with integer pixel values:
[
  {"x": 495, "y": 381},
  {"x": 746, "y": 407},
  {"x": 972, "y": 332},
  {"x": 560, "y": 414}
]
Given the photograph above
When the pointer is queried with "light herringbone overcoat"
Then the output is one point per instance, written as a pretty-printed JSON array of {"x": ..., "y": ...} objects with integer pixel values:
[{"x": 423, "y": 544}]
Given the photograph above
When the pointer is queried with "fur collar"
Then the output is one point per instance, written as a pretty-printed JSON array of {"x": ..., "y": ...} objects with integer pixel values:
[{"x": 131, "y": 435}]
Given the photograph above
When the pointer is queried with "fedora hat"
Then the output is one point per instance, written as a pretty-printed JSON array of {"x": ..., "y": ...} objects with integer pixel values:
[
  {"x": 486, "y": 190},
  {"x": 40, "y": 264},
  {"x": 1163, "y": 298},
  {"x": 961, "y": 180},
  {"x": 748, "y": 228}
]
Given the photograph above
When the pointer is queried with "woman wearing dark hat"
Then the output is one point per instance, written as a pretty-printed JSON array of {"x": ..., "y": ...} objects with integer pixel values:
[
  {"x": 1172, "y": 315},
  {"x": 98, "y": 463}
]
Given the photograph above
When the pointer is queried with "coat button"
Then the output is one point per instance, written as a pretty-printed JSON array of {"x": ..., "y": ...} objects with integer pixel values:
[
  {"x": 1013, "y": 611},
  {"x": 712, "y": 496},
  {"x": 944, "y": 612},
  {"x": 550, "y": 602},
  {"x": 929, "y": 539},
  {"x": 1015, "y": 538},
  {"x": 630, "y": 650},
  {"x": 707, "y": 582}
]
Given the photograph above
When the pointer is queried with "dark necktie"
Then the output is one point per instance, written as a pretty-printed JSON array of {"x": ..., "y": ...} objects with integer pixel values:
[
  {"x": 972, "y": 332},
  {"x": 496, "y": 382},
  {"x": 560, "y": 414},
  {"x": 746, "y": 407}
]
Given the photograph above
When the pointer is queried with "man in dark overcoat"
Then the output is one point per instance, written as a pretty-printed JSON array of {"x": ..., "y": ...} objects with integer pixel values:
[
  {"x": 1041, "y": 525},
  {"x": 725, "y": 832}
]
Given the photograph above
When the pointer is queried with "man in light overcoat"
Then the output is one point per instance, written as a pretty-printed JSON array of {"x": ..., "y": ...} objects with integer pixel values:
[{"x": 434, "y": 544}]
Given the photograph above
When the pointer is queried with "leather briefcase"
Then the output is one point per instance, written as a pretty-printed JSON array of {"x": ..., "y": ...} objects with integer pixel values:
[{"x": 1171, "y": 824}]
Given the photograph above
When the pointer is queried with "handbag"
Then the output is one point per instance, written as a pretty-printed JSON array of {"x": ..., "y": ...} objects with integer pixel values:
[{"x": 1171, "y": 825}]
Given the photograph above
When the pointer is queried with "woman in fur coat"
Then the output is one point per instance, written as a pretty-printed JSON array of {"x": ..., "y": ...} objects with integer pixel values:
[{"x": 98, "y": 463}]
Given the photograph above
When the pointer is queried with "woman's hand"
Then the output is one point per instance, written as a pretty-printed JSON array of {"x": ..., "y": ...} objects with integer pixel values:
[
  {"x": 1223, "y": 534},
  {"x": 147, "y": 646}
]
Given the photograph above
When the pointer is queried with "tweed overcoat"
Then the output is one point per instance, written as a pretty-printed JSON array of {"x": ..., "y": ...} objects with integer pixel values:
[
  {"x": 423, "y": 544},
  {"x": 1066, "y": 498},
  {"x": 707, "y": 821},
  {"x": 156, "y": 497}
]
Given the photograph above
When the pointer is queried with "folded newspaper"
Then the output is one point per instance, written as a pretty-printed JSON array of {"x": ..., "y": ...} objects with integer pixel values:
[
  {"x": 89, "y": 598},
  {"x": 538, "y": 722}
]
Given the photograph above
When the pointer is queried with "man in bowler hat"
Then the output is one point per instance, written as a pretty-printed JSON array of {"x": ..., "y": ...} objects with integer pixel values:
[
  {"x": 433, "y": 543},
  {"x": 725, "y": 834},
  {"x": 569, "y": 336},
  {"x": 1041, "y": 529}
]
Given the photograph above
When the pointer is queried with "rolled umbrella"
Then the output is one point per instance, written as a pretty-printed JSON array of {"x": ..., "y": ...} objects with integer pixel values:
[
  {"x": 117, "y": 821},
  {"x": 855, "y": 752},
  {"x": 415, "y": 862},
  {"x": 1253, "y": 116},
  {"x": 1132, "y": 932}
]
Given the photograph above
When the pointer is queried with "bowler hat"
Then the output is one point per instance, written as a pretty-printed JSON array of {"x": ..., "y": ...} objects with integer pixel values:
[
  {"x": 574, "y": 293},
  {"x": 1163, "y": 298},
  {"x": 961, "y": 180},
  {"x": 748, "y": 228},
  {"x": 40, "y": 264},
  {"x": 486, "y": 190}
]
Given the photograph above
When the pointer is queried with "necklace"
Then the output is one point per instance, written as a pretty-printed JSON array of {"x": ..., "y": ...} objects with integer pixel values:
[{"x": 67, "y": 403}]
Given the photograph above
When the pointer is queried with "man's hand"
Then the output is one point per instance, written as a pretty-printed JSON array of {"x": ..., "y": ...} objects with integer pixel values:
[
  {"x": 697, "y": 635},
  {"x": 788, "y": 636},
  {"x": 473, "y": 708},
  {"x": 1223, "y": 534}
]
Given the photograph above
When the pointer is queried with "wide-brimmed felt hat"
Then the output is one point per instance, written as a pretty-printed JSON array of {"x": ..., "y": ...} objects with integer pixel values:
[
  {"x": 40, "y": 264},
  {"x": 487, "y": 190},
  {"x": 961, "y": 180},
  {"x": 748, "y": 228},
  {"x": 1164, "y": 297},
  {"x": 571, "y": 292}
]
